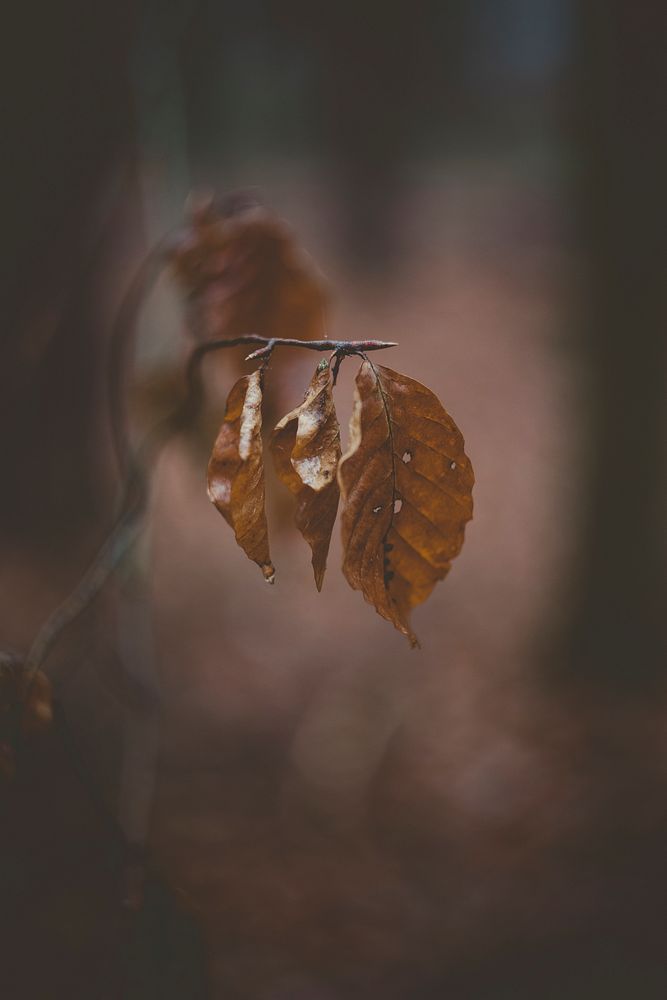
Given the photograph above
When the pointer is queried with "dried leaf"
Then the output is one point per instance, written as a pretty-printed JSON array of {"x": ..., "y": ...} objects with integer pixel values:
[
  {"x": 236, "y": 471},
  {"x": 243, "y": 273},
  {"x": 406, "y": 486},
  {"x": 306, "y": 451}
]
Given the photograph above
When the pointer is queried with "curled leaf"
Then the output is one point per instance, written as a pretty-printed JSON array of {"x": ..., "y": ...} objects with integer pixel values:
[
  {"x": 236, "y": 472},
  {"x": 243, "y": 273},
  {"x": 407, "y": 493},
  {"x": 306, "y": 451}
]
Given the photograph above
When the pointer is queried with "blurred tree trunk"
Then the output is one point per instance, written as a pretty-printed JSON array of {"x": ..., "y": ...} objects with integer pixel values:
[
  {"x": 66, "y": 173},
  {"x": 386, "y": 71},
  {"x": 618, "y": 629},
  {"x": 70, "y": 236}
]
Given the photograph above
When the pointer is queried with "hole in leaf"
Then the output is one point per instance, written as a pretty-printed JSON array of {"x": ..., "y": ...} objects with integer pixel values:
[
  {"x": 452, "y": 465},
  {"x": 407, "y": 457},
  {"x": 398, "y": 503},
  {"x": 376, "y": 510}
]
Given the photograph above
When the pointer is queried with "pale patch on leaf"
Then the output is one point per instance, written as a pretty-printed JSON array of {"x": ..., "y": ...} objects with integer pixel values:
[
  {"x": 236, "y": 471},
  {"x": 403, "y": 520},
  {"x": 306, "y": 451}
]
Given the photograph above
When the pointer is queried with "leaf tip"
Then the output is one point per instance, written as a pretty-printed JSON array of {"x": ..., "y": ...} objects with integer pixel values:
[{"x": 269, "y": 572}]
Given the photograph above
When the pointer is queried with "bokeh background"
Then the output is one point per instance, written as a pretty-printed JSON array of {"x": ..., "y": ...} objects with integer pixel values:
[{"x": 264, "y": 794}]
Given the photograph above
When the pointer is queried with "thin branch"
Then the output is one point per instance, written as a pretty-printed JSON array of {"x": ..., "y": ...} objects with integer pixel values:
[
  {"x": 269, "y": 343},
  {"x": 341, "y": 347},
  {"x": 193, "y": 368},
  {"x": 118, "y": 543}
]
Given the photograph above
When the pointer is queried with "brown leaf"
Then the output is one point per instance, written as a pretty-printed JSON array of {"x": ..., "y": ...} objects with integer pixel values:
[
  {"x": 306, "y": 451},
  {"x": 406, "y": 486},
  {"x": 236, "y": 471},
  {"x": 243, "y": 273}
]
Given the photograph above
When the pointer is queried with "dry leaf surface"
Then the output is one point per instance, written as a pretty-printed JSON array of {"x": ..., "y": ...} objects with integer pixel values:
[
  {"x": 407, "y": 493},
  {"x": 243, "y": 273},
  {"x": 306, "y": 451},
  {"x": 236, "y": 471}
]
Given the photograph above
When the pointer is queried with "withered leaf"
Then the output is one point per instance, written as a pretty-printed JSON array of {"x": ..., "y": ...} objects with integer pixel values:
[
  {"x": 243, "y": 273},
  {"x": 306, "y": 451},
  {"x": 236, "y": 471},
  {"x": 407, "y": 493}
]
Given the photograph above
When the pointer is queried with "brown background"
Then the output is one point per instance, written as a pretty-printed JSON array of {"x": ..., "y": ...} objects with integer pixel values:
[{"x": 328, "y": 814}]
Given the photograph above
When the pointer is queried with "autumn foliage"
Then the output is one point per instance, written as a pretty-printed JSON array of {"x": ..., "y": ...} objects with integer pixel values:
[
  {"x": 405, "y": 482},
  {"x": 306, "y": 453},
  {"x": 236, "y": 471},
  {"x": 404, "y": 485}
]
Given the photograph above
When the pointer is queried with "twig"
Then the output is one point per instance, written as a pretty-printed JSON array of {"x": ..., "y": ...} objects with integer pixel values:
[
  {"x": 340, "y": 347},
  {"x": 193, "y": 369}
]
